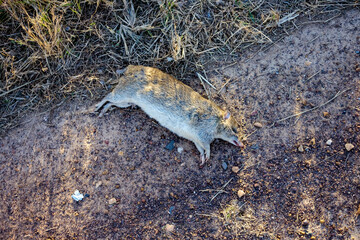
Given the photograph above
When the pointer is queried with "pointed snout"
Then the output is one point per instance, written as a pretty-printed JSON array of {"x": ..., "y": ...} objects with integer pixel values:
[{"x": 238, "y": 143}]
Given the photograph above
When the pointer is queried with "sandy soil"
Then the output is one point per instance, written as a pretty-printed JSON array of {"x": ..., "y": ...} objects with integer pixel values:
[{"x": 295, "y": 185}]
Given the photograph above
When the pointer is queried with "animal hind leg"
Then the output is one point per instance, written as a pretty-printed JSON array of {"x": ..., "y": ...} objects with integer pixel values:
[
  {"x": 101, "y": 103},
  {"x": 110, "y": 104},
  {"x": 105, "y": 108}
]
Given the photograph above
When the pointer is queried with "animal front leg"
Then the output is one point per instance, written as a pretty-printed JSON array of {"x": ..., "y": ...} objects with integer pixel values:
[
  {"x": 207, "y": 151},
  {"x": 203, "y": 157}
]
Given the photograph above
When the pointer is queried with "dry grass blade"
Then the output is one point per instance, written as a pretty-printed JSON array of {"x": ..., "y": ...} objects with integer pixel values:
[
  {"x": 312, "y": 109},
  {"x": 202, "y": 78},
  {"x": 43, "y": 27},
  {"x": 218, "y": 191},
  {"x": 288, "y": 17}
]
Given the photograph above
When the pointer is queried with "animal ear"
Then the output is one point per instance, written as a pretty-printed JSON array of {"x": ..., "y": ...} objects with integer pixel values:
[{"x": 227, "y": 115}]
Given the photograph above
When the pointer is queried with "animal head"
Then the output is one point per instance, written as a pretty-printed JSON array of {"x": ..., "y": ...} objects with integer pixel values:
[{"x": 228, "y": 130}]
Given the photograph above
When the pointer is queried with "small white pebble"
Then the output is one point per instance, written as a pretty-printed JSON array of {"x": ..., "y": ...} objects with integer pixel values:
[
  {"x": 308, "y": 63},
  {"x": 112, "y": 201},
  {"x": 240, "y": 193},
  {"x": 349, "y": 146},
  {"x": 258, "y": 125},
  {"x": 169, "y": 59},
  {"x": 98, "y": 184},
  {"x": 77, "y": 196},
  {"x": 169, "y": 227},
  {"x": 180, "y": 149},
  {"x": 301, "y": 148},
  {"x": 235, "y": 169},
  {"x": 329, "y": 142}
]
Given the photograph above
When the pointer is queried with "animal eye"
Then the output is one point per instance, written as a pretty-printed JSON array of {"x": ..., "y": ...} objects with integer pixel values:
[{"x": 234, "y": 130}]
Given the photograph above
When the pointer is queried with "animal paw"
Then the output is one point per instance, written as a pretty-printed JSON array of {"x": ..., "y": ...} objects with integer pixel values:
[{"x": 203, "y": 159}]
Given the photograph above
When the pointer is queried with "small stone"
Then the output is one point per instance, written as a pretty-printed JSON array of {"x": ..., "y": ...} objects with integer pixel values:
[
  {"x": 77, "y": 196},
  {"x": 301, "y": 148},
  {"x": 121, "y": 153},
  {"x": 329, "y": 142},
  {"x": 224, "y": 165},
  {"x": 326, "y": 114},
  {"x": 240, "y": 193},
  {"x": 307, "y": 63},
  {"x": 180, "y": 149},
  {"x": 258, "y": 125},
  {"x": 169, "y": 228},
  {"x": 235, "y": 169},
  {"x": 302, "y": 232},
  {"x": 305, "y": 223},
  {"x": 112, "y": 201},
  {"x": 313, "y": 141},
  {"x": 170, "y": 146},
  {"x": 171, "y": 209},
  {"x": 98, "y": 184},
  {"x": 349, "y": 146}
]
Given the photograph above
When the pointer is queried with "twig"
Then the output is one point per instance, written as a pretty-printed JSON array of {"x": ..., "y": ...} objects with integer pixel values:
[
  {"x": 320, "y": 21},
  {"x": 313, "y": 75},
  {"x": 312, "y": 109},
  {"x": 221, "y": 190},
  {"x": 264, "y": 49},
  {"x": 50, "y": 229},
  {"x": 204, "y": 86},
  {"x": 3, "y": 94},
  {"x": 205, "y": 215},
  {"x": 314, "y": 39},
  {"x": 224, "y": 85},
  {"x": 288, "y": 17},
  {"x": 248, "y": 135},
  {"x": 202, "y": 78},
  {"x": 224, "y": 67}
]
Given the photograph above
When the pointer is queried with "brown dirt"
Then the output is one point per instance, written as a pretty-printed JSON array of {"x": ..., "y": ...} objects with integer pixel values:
[{"x": 313, "y": 194}]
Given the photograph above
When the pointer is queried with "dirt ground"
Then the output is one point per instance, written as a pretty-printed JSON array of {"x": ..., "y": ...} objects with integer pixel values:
[{"x": 294, "y": 184}]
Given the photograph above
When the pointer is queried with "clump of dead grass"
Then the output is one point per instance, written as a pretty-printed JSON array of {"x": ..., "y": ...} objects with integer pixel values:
[
  {"x": 52, "y": 50},
  {"x": 41, "y": 24},
  {"x": 241, "y": 220}
]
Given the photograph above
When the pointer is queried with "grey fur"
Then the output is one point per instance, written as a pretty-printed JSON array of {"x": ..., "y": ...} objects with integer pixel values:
[{"x": 174, "y": 105}]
